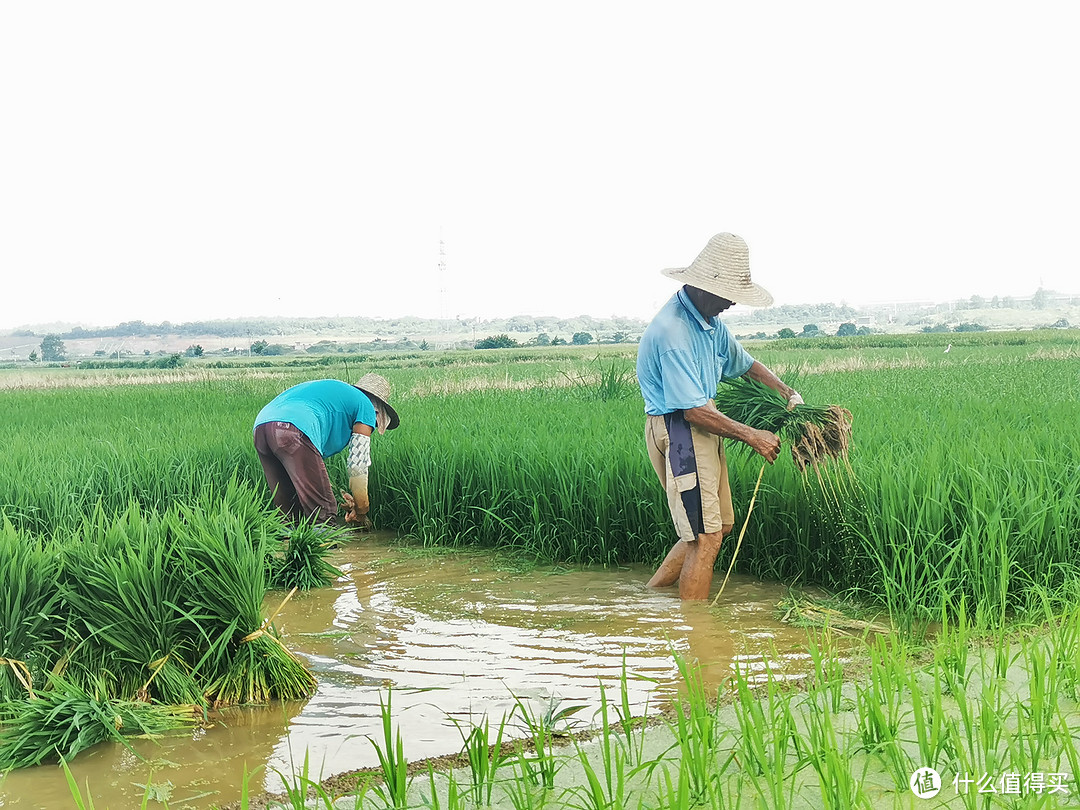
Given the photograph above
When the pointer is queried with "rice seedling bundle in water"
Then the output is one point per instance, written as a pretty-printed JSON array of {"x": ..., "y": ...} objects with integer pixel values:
[
  {"x": 127, "y": 589},
  {"x": 29, "y": 608},
  {"x": 64, "y": 719},
  {"x": 226, "y": 558},
  {"x": 300, "y": 559}
]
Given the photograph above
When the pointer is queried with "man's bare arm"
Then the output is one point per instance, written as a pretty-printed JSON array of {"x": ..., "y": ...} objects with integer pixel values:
[
  {"x": 708, "y": 418},
  {"x": 765, "y": 376}
]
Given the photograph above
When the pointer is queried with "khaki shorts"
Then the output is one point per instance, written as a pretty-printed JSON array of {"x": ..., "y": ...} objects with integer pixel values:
[{"x": 692, "y": 470}]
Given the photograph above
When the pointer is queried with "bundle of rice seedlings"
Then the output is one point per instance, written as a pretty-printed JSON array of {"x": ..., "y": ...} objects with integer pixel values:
[
  {"x": 29, "y": 608},
  {"x": 814, "y": 432},
  {"x": 300, "y": 559},
  {"x": 227, "y": 567},
  {"x": 65, "y": 719},
  {"x": 126, "y": 589}
]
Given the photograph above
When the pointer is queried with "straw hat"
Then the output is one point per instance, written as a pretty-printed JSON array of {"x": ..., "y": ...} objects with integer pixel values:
[
  {"x": 377, "y": 387},
  {"x": 723, "y": 268}
]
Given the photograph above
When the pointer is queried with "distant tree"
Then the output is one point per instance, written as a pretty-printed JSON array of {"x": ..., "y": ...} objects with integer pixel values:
[
  {"x": 620, "y": 337},
  {"x": 970, "y": 327},
  {"x": 977, "y": 302},
  {"x": 193, "y": 351},
  {"x": 146, "y": 352},
  {"x": 1008, "y": 302},
  {"x": 938, "y": 327},
  {"x": 1060, "y": 323},
  {"x": 33, "y": 356},
  {"x": 581, "y": 338},
  {"x": 846, "y": 330},
  {"x": 259, "y": 347},
  {"x": 424, "y": 346},
  {"x": 995, "y": 302},
  {"x": 521, "y": 323},
  {"x": 785, "y": 333},
  {"x": 558, "y": 341},
  {"x": 1041, "y": 299},
  {"x": 496, "y": 342},
  {"x": 541, "y": 339},
  {"x": 863, "y": 330},
  {"x": 52, "y": 348},
  {"x": 810, "y": 330}
]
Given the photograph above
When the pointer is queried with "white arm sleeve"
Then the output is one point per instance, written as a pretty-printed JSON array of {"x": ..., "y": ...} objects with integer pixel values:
[{"x": 359, "y": 454}]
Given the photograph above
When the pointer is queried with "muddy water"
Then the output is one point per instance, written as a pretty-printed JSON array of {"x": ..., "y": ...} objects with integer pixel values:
[{"x": 455, "y": 636}]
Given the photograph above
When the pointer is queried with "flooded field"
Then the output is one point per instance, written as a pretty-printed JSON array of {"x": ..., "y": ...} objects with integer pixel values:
[{"x": 455, "y": 635}]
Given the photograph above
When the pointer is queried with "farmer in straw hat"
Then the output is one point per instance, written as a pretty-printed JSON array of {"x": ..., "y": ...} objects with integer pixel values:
[
  {"x": 310, "y": 422},
  {"x": 684, "y": 353}
]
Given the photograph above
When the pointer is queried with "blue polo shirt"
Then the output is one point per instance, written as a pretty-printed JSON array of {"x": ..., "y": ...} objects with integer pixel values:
[
  {"x": 682, "y": 357},
  {"x": 323, "y": 410}
]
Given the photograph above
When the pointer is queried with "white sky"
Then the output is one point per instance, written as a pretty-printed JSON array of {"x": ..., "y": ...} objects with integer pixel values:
[{"x": 220, "y": 159}]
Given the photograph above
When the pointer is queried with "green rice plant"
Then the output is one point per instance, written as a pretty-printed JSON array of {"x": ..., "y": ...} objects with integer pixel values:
[
  {"x": 982, "y": 726},
  {"x": 629, "y": 722},
  {"x": 124, "y": 585},
  {"x": 611, "y": 793},
  {"x": 300, "y": 558},
  {"x": 301, "y": 786},
  {"x": 677, "y": 796},
  {"x": 521, "y": 790},
  {"x": 543, "y": 729},
  {"x": 767, "y": 736},
  {"x": 879, "y": 701},
  {"x": 697, "y": 731},
  {"x": 394, "y": 790},
  {"x": 249, "y": 663},
  {"x": 455, "y": 799},
  {"x": 65, "y": 719},
  {"x": 484, "y": 755},
  {"x": 81, "y": 802},
  {"x": 30, "y": 608},
  {"x": 935, "y": 730},
  {"x": 831, "y": 759},
  {"x": 1039, "y": 712},
  {"x": 952, "y": 647}
]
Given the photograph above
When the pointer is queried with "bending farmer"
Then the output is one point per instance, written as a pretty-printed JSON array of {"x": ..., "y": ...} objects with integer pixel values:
[
  {"x": 310, "y": 422},
  {"x": 684, "y": 353}
]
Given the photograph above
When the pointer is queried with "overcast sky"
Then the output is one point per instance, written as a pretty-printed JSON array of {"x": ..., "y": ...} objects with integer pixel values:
[{"x": 179, "y": 161}]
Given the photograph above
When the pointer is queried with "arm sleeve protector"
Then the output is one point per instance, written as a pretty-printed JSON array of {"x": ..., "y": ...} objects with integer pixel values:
[{"x": 359, "y": 455}]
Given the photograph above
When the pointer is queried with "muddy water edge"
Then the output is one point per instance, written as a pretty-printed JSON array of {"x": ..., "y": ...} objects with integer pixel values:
[{"x": 455, "y": 635}]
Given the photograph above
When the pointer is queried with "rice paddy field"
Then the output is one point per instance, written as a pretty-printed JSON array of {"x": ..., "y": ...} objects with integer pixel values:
[{"x": 136, "y": 549}]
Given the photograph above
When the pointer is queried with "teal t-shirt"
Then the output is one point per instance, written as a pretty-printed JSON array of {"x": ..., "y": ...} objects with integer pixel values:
[{"x": 323, "y": 410}]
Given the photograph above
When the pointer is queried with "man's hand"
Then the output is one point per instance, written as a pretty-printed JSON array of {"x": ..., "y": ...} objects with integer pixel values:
[
  {"x": 766, "y": 443},
  {"x": 794, "y": 400},
  {"x": 352, "y": 517}
]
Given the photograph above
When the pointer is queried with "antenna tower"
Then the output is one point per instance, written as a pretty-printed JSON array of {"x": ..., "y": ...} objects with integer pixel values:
[{"x": 442, "y": 280}]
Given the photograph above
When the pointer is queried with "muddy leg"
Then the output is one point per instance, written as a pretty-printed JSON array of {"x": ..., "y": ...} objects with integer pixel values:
[
  {"x": 670, "y": 568},
  {"x": 697, "y": 569}
]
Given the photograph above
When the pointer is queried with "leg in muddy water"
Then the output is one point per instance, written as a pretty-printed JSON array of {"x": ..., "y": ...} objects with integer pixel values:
[
  {"x": 670, "y": 568},
  {"x": 697, "y": 569}
]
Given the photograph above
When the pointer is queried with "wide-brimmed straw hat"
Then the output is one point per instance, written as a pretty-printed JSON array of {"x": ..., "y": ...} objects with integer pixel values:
[
  {"x": 378, "y": 387},
  {"x": 723, "y": 268}
]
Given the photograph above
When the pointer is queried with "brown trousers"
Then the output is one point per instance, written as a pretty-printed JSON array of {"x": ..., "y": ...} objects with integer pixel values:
[{"x": 295, "y": 473}]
